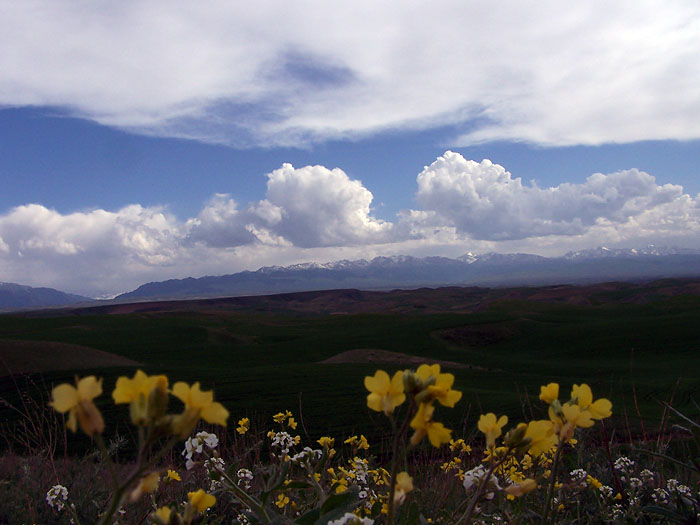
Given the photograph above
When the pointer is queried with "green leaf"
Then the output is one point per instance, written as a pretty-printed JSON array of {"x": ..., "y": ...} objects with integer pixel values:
[
  {"x": 413, "y": 517},
  {"x": 310, "y": 518},
  {"x": 663, "y": 511}
]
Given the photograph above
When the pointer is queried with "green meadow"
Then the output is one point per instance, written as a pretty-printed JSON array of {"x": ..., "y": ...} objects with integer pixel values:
[{"x": 637, "y": 355}]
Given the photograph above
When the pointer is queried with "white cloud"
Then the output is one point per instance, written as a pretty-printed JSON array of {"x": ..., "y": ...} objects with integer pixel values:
[
  {"x": 483, "y": 201},
  {"x": 318, "y": 214},
  {"x": 306, "y": 207},
  {"x": 322, "y": 207},
  {"x": 551, "y": 72}
]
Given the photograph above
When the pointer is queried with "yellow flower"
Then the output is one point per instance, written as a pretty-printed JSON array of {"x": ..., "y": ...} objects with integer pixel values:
[
  {"x": 423, "y": 424},
  {"x": 599, "y": 409},
  {"x": 163, "y": 514},
  {"x": 291, "y": 423},
  {"x": 243, "y": 425},
  {"x": 573, "y": 417},
  {"x": 146, "y": 485},
  {"x": 385, "y": 394},
  {"x": 519, "y": 489},
  {"x": 173, "y": 475},
  {"x": 549, "y": 393},
  {"x": 147, "y": 396},
  {"x": 491, "y": 427},
  {"x": 197, "y": 404},
  {"x": 326, "y": 442},
  {"x": 442, "y": 388},
  {"x": 279, "y": 417},
  {"x": 282, "y": 501},
  {"x": 77, "y": 401},
  {"x": 541, "y": 435},
  {"x": 201, "y": 500},
  {"x": 404, "y": 485}
]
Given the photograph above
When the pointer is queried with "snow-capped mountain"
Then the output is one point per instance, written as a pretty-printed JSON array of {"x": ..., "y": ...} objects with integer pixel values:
[{"x": 404, "y": 271}]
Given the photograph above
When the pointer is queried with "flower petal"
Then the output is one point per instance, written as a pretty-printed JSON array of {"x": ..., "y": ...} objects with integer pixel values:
[{"x": 65, "y": 397}]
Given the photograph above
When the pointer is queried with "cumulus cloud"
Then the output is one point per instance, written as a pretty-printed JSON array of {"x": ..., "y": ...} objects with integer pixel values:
[
  {"x": 551, "y": 72},
  {"x": 483, "y": 200},
  {"x": 307, "y": 207},
  {"x": 318, "y": 214},
  {"x": 85, "y": 250}
]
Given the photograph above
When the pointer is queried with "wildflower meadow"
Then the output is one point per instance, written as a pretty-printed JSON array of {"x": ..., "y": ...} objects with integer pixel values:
[{"x": 194, "y": 465}]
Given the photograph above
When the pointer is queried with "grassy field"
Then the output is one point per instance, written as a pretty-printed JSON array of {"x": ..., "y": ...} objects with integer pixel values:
[{"x": 259, "y": 362}]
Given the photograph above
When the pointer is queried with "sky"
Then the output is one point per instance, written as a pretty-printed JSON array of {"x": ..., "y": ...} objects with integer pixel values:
[{"x": 144, "y": 141}]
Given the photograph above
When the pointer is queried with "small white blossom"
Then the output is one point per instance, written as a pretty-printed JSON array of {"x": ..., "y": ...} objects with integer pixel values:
[
  {"x": 215, "y": 464},
  {"x": 57, "y": 496},
  {"x": 245, "y": 477},
  {"x": 351, "y": 519},
  {"x": 623, "y": 463},
  {"x": 579, "y": 476},
  {"x": 606, "y": 491},
  {"x": 660, "y": 496},
  {"x": 647, "y": 475}
]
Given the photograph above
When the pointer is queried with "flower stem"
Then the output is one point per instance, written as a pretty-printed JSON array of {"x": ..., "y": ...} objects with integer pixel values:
[
  {"x": 398, "y": 438},
  {"x": 552, "y": 482}
]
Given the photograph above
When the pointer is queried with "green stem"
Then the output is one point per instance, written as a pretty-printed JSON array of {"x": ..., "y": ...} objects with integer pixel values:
[
  {"x": 398, "y": 437},
  {"x": 552, "y": 482},
  {"x": 251, "y": 502},
  {"x": 138, "y": 471},
  {"x": 105, "y": 454}
]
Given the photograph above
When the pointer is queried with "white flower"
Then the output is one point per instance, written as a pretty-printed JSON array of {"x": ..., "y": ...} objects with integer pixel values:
[
  {"x": 57, "y": 496},
  {"x": 245, "y": 477},
  {"x": 215, "y": 464},
  {"x": 660, "y": 496},
  {"x": 606, "y": 490},
  {"x": 623, "y": 463},
  {"x": 471, "y": 477},
  {"x": 210, "y": 440},
  {"x": 351, "y": 519}
]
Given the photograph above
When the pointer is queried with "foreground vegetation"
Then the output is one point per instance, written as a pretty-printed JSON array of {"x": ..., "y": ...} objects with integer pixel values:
[{"x": 537, "y": 471}]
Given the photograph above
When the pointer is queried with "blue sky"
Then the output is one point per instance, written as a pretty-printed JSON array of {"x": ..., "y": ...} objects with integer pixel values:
[{"x": 145, "y": 142}]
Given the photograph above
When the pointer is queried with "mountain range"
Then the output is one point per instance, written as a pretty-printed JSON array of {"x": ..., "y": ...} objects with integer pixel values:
[
  {"x": 18, "y": 296},
  {"x": 402, "y": 271}
]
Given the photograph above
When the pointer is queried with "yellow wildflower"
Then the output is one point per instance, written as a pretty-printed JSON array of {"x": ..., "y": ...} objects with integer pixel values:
[
  {"x": 243, "y": 425},
  {"x": 404, "y": 485},
  {"x": 291, "y": 423},
  {"x": 385, "y": 393},
  {"x": 77, "y": 401},
  {"x": 163, "y": 514},
  {"x": 279, "y": 417},
  {"x": 599, "y": 409},
  {"x": 573, "y": 417},
  {"x": 201, "y": 500},
  {"x": 326, "y": 442},
  {"x": 519, "y": 489},
  {"x": 198, "y": 404},
  {"x": 173, "y": 475},
  {"x": 550, "y": 392},
  {"x": 441, "y": 389},
  {"x": 282, "y": 501},
  {"x": 541, "y": 435},
  {"x": 491, "y": 427},
  {"x": 146, "y": 485},
  {"x": 147, "y": 396},
  {"x": 423, "y": 424}
]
